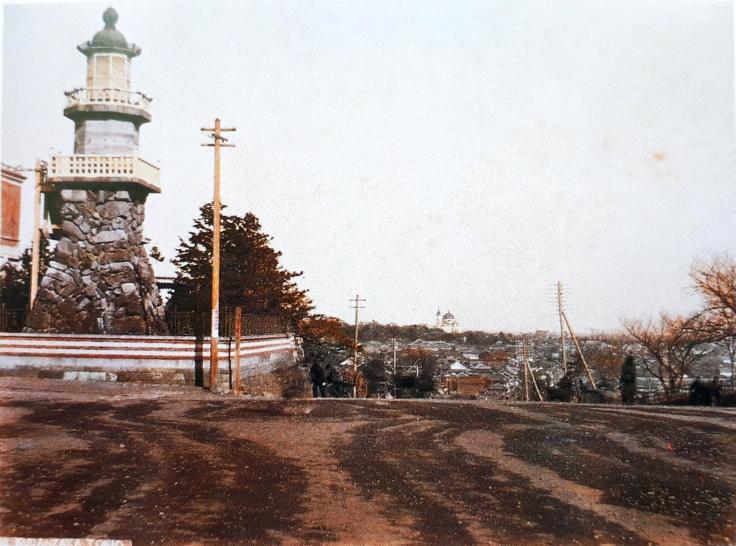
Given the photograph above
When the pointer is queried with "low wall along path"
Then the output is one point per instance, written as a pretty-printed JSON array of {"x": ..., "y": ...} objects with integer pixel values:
[{"x": 158, "y": 359}]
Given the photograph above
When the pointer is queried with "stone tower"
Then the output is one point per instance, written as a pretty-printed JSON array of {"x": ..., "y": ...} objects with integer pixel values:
[{"x": 100, "y": 279}]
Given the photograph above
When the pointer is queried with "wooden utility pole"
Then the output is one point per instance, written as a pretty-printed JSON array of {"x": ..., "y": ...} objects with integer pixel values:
[
  {"x": 219, "y": 141},
  {"x": 40, "y": 174},
  {"x": 563, "y": 356},
  {"x": 394, "y": 379},
  {"x": 525, "y": 360},
  {"x": 526, "y": 371},
  {"x": 357, "y": 301},
  {"x": 238, "y": 328}
]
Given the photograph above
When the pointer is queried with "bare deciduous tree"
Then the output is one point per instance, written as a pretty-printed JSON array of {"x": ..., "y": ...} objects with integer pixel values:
[
  {"x": 605, "y": 354},
  {"x": 669, "y": 347},
  {"x": 716, "y": 282}
]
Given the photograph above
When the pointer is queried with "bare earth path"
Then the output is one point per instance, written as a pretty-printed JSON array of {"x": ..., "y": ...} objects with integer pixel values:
[{"x": 176, "y": 465}]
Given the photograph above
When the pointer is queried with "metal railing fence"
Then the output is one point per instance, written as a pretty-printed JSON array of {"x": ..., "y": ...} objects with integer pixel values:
[
  {"x": 107, "y": 95},
  {"x": 681, "y": 397},
  {"x": 180, "y": 323},
  {"x": 193, "y": 323}
]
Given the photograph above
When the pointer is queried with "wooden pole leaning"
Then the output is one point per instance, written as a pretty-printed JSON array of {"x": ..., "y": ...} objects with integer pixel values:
[{"x": 580, "y": 352}]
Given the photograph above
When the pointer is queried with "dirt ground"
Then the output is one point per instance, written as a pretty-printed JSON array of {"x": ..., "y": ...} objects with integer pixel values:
[{"x": 176, "y": 465}]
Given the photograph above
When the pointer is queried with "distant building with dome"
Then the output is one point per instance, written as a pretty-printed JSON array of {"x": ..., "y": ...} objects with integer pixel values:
[{"x": 447, "y": 322}]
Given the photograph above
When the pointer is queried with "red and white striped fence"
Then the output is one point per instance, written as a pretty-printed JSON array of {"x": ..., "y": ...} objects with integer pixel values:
[{"x": 157, "y": 358}]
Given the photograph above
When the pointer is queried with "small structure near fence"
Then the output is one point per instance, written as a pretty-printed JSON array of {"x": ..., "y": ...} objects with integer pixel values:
[{"x": 471, "y": 385}]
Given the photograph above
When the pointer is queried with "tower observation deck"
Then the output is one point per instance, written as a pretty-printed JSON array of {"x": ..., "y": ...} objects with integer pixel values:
[{"x": 107, "y": 117}]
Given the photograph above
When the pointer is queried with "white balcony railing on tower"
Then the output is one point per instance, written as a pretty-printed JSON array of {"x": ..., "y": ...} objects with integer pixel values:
[
  {"x": 87, "y": 167},
  {"x": 88, "y": 95}
]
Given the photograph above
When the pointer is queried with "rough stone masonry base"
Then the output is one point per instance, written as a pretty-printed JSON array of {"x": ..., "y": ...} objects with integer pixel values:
[{"x": 100, "y": 279}]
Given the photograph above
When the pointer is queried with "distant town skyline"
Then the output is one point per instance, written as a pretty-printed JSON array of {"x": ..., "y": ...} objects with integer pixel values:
[{"x": 456, "y": 155}]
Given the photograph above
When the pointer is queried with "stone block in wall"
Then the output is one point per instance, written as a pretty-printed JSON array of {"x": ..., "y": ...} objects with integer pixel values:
[
  {"x": 166, "y": 377},
  {"x": 109, "y": 236},
  {"x": 111, "y": 209},
  {"x": 72, "y": 231},
  {"x": 19, "y": 372},
  {"x": 50, "y": 374},
  {"x": 128, "y": 288},
  {"x": 64, "y": 247},
  {"x": 74, "y": 196},
  {"x": 89, "y": 376}
]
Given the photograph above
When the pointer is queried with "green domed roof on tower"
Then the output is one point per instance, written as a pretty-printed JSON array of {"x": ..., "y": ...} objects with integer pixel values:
[
  {"x": 109, "y": 36},
  {"x": 109, "y": 39}
]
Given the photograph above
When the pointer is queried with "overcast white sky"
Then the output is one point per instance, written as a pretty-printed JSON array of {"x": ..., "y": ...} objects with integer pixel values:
[{"x": 462, "y": 155}]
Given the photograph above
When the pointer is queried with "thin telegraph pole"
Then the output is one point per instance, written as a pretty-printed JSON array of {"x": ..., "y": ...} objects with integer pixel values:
[
  {"x": 219, "y": 141},
  {"x": 394, "y": 379},
  {"x": 238, "y": 328},
  {"x": 40, "y": 175},
  {"x": 357, "y": 301},
  {"x": 563, "y": 356},
  {"x": 526, "y": 372}
]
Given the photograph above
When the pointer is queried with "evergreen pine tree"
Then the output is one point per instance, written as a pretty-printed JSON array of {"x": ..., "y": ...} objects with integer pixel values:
[{"x": 250, "y": 273}]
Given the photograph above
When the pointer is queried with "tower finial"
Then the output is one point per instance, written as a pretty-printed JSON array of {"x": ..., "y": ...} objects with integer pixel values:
[
  {"x": 110, "y": 16},
  {"x": 109, "y": 39}
]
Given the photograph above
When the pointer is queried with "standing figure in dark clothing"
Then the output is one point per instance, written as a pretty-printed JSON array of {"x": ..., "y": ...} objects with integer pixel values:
[
  {"x": 318, "y": 380},
  {"x": 332, "y": 381},
  {"x": 700, "y": 393},
  {"x": 695, "y": 388},
  {"x": 565, "y": 386},
  {"x": 562, "y": 392},
  {"x": 628, "y": 380},
  {"x": 715, "y": 391}
]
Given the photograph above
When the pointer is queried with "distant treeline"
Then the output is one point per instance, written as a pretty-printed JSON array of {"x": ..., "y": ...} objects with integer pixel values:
[{"x": 375, "y": 331}]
